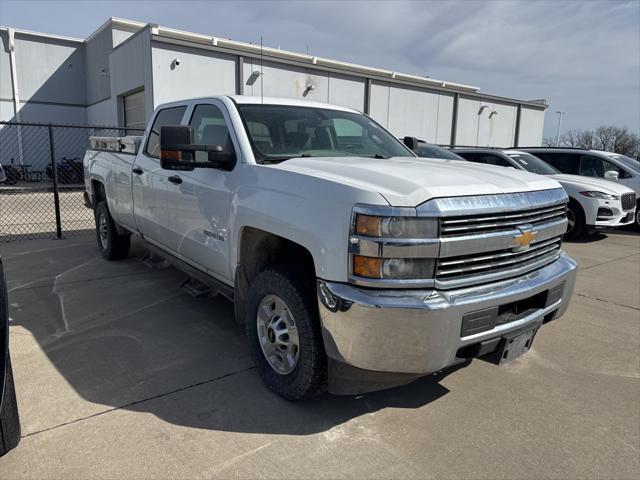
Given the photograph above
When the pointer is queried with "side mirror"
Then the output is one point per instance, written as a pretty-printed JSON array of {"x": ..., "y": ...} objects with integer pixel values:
[
  {"x": 611, "y": 175},
  {"x": 177, "y": 151},
  {"x": 411, "y": 142}
]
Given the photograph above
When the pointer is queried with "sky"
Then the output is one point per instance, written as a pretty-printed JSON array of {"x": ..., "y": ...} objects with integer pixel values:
[{"x": 582, "y": 56}]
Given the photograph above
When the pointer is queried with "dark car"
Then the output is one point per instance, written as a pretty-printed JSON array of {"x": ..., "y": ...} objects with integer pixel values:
[
  {"x": 70, "y": 170},
  {"x": 9, "y": 420},
  {"x": 429, "y": 150}
]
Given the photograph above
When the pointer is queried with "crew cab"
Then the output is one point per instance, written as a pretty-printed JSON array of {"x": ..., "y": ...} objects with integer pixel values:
[
  {"x": 594, "y": 204},
  {"x": 353, "y": 264}
]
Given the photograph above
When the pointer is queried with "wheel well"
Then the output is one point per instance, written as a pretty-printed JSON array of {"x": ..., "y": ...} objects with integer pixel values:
[
  {"x": 576, "y": 204},
  {"x": 98, "y": 192},
  {"x": 260, "y": 250}
]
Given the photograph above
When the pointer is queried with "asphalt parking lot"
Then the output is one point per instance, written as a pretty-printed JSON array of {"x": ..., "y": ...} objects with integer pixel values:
[{"x": 120, "y": 374}]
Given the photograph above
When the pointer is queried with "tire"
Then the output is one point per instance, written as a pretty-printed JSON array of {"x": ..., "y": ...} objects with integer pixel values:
[
  {"x": 9, "y": 419},
  {"x": 637, "y": 222},
  {"x": 575, "y": 216},
  {"x": 111, "y": 245},
  {"x": 285, "y": 290}
]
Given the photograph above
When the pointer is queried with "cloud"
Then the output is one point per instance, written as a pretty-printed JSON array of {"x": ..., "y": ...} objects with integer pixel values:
[{"x": 583, "y": 57}]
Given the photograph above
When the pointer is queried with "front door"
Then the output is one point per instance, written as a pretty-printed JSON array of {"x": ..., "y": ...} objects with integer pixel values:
[{"x": 199, "y": 201}]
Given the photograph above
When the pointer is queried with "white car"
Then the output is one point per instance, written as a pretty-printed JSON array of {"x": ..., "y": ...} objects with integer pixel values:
[
  {"x": 593, "y": 203},
  {"x": 594, "y": 163}
]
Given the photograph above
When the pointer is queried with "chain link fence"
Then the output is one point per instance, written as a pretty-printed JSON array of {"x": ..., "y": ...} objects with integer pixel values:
[{"x": 42, "y": 193}]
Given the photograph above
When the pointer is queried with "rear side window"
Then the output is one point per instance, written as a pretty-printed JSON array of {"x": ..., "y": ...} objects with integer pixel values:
[
  {"x": 167, "y": 116},
  {"x": 564, "y": 162}
]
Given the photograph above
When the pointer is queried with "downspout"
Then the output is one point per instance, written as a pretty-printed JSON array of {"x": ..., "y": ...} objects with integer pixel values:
[
  {"x": 516, "y": 139},
  {"x": 14, "y": 88}
]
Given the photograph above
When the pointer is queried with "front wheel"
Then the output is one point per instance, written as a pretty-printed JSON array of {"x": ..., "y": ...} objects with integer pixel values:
[
  {"x": 575, "y": 220},
  {"x": 112, "y": 246},
  {"x": 283, "y": 330}
]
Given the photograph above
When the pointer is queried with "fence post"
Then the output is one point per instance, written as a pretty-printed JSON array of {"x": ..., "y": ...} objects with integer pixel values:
[{"x": 54, "y": 177}]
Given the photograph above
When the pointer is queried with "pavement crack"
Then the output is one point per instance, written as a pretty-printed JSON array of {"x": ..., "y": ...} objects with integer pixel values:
[
  {"x": 138, "y": 402},
  {"x": 606, "y": 301},
  {"x": 608, "y": 261}
]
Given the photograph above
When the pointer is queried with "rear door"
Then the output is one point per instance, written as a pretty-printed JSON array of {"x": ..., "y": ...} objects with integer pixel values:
[
  {"x": 149, "y": 181},
  {"x": 199, "y": 201}
]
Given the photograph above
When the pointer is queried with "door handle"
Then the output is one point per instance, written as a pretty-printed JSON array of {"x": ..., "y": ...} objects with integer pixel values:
[
  {"x": 175, "y": 179},
  {"x": 137, "y": 171}
]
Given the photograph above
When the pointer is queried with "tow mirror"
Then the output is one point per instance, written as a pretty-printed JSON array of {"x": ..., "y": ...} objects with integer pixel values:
[
  {"x": 177, "y": 151},
  {"x": 411, "y": 142},
  {"x": 611, "y": 175}
]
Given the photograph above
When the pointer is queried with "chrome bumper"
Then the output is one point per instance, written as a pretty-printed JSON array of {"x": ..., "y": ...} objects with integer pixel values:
[{"x": 419, "y": 331}]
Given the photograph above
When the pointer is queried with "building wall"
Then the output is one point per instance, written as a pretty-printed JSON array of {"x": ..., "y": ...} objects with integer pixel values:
[
  {"x": 531, "y": 127},
  {"x": 66, "y": 81},
  {"x": 200, "y": 73},
  {"x": 412, "y": 111},
  {"x": 130, "y": 71},
  {"x": 485, "y": 123},
  {"x": 289, "y": 81}
]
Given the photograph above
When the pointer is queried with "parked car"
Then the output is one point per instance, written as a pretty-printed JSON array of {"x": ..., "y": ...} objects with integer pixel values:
[
  {"x": 70, "y": 170},
  {"x": 429, "y": 150},
  {"x": 3, "y": 177},
  {"x": 594, "y": 163},
  {"x": 9, "y": 419},
  {"x": 353, "y": 264},
  {"x": 593, "y": 203}
]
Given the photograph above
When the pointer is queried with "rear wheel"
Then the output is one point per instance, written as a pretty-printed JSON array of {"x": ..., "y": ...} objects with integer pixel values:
[
  {"x": 112, "y": 246},
  {"x": 575, "y": 220},
  {"x": 284, "y": 334},
  {"x": 9, "y": 419}
]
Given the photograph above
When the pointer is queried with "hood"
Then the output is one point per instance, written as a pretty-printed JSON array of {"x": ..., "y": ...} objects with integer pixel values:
[
  {"x": 408, "y": 181},
  {"x": 581, "y": 183}
]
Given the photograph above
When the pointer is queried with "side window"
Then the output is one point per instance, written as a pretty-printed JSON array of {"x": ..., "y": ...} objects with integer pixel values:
[
  {"x": 167, "y": 116},
  {"x": 593, "y": 166},
  {"x": 565, "y": 162},
  {"x": 472, "y": 157},
  {"x": 210, "y": 128},
  {"x": 491, "y": 159}
]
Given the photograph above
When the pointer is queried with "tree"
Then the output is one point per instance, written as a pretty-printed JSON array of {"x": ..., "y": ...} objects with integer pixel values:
[{"x": 609, "y": 138}]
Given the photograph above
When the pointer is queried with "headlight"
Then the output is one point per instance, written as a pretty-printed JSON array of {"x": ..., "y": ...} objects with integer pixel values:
[
  {"x": 602, "y": 195},
  {"x": 393, "y": 268},
  {"x": 395, "y": 227}
]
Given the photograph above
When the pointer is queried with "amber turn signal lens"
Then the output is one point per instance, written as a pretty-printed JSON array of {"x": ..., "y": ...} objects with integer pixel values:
[
  {"x": 171, "y": 155},
  {"x": 367, "y": 225},
  {"x": 369, "y": 267}
]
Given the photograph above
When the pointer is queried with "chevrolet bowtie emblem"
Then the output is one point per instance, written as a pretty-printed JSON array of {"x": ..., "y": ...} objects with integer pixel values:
[{"x": 525, "y": 238}]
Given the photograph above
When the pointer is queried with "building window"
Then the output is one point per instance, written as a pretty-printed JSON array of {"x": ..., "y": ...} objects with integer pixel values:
[{"x": 134, "y": 110}]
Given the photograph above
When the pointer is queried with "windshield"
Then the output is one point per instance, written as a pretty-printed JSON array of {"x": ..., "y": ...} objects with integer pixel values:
[
  {"x": 281, "y": 132},
  {"x": 434, "y": 151},
  {"x": 626, "y": 161},
  {"x": 533, "y": 164}
]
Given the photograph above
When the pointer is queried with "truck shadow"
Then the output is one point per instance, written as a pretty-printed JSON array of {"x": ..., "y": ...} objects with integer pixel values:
[{"x": 124, "y": 335}]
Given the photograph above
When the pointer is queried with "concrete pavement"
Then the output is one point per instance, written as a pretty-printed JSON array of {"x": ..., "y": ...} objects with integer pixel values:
[{"x": 119, "y": 373}]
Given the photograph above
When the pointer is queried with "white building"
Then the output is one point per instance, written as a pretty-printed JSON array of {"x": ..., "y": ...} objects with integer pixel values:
[{"x": 124, "y": 69}]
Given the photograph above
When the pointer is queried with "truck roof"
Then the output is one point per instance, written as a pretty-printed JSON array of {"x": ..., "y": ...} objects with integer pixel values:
[{"x": 247, "y": 99}]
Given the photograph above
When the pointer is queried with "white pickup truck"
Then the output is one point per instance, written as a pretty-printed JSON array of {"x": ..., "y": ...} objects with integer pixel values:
[{"x": 354, "y": 265}]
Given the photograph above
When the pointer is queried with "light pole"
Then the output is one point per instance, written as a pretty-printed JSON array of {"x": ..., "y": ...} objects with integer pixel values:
[{"x": 560, "y": 114}]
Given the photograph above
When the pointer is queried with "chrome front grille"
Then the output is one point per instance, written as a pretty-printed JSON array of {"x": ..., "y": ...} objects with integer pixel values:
[
  {"x": 628, "y": 201},
  {"x": 479, "y": 224},
  {"x": 467, "y": 267}
]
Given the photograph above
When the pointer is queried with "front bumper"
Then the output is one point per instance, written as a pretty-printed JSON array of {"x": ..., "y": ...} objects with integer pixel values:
[{"x": 419, "y": 332}]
